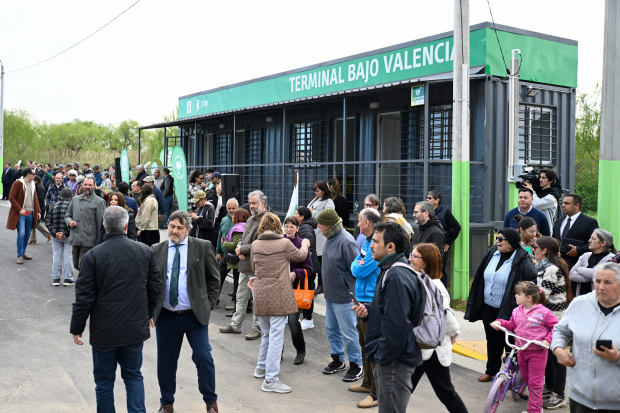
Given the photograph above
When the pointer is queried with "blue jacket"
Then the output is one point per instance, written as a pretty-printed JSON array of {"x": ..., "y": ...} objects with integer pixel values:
[
  {"x": 98, "y": 178},
  {"x": 131, "y": 203},
  {"x": 160, "y": 200},
  {"x": 537, "y": 215},
  {"x": 366, "y": 274}
]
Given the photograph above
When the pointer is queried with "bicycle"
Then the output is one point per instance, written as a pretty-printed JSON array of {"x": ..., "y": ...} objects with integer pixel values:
[{"x": 510, "y": 378}]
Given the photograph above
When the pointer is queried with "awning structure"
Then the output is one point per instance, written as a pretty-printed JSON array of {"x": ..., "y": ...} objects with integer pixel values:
[{"x": 474, "y": 73}]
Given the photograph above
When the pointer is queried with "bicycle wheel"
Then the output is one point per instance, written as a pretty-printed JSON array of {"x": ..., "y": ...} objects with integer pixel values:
[
  {"x": 518, "y": 381},
  {"x": 493, "y": 399}
]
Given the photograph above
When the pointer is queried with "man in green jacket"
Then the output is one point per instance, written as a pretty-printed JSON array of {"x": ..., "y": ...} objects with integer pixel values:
[{"x": 225, "y": 226}]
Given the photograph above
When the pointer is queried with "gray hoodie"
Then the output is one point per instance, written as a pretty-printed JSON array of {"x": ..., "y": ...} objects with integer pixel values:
[{"x": 593, "y": 381}]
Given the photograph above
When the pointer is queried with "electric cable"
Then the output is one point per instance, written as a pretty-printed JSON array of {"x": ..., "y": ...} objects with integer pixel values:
[
  {"x": 84, "y": 39},
  {"x": 498, "y": 42}
]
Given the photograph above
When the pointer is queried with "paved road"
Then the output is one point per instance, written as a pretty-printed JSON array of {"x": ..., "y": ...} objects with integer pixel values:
[{"x": 42, "y": 370}]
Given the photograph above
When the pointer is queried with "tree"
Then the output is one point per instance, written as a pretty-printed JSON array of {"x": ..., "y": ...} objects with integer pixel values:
[
  {"x": 23, "y": 134},
  {"x": 587, "y": 144}
]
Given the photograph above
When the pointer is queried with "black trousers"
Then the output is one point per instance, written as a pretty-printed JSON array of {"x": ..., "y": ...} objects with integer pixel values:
[
  {"x": 445, "y": 277},
  {"x": 297, "y": 334},
  {"x": 224, "y": 274},
  {"x": 439, "y": 377},
  {"x": 307, "y": 313},
  {"x": 318, "y": 271},
  {"x": 555, "y": 375},
  {"x": 580, "y": 408},
  {"x": 149, "y": 237},
  {"x": 496, "y": 341}
]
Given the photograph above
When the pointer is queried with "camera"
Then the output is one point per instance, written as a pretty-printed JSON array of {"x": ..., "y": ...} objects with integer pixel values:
[{"x": 532, "y": 176}]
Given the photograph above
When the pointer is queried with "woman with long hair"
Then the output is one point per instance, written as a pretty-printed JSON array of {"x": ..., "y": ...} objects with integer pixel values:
[
  {"x": 195, "y": 184},
  {"x": 528, "y": 230},
  {"x": 274, "y": 299},
  {"x": 553, "y": 279},
  {"x": 147, "y": 222},
  {"x": 340, "y": 203},
  {"x": 322, "y": 200},
  {"x": 118, "y": 199},
  {"x": 426, "y": 259}
]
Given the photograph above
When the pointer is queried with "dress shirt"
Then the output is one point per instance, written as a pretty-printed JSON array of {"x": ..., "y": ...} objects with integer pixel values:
[
  {"x": 528, "y": 211},
  {"x": 572, "y": 221},
  {"x": 184, "y": 303},
  {"x": 495, "y": 281}
]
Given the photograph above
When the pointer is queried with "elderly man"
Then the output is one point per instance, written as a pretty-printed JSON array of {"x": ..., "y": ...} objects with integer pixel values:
[
  {"x": 525, "y": 208},
  {"x": 257, "y": 200},
  {"x": 136, "y": 190},
  {"x": 365, "y": 270},
  {"x": 158, "y": 178},
  {"x": 225, "y": 226},
  {"x": 53, "y": 192},
  {"x": 120, "y": 297},
  {"x": 84, "y": 216},
  {"x": 24, "y": 213},
  {"x": 338, "y": 282},
  {"x": 189, "y": 272},
  {"x": 429, "y": 228},
  {"x": 141, "y": 174}
]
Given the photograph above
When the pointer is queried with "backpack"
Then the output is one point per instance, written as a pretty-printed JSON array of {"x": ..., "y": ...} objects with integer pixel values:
[{"x": 430, "y": 328}]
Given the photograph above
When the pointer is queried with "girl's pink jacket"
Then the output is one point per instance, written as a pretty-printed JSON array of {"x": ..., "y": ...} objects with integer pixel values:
[{"x": 535, "y": 323}]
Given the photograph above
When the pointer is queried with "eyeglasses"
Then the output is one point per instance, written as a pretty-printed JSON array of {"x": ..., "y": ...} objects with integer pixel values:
[
  {"x": 500, "y": 239},
  {"x": 370, "y": 206},
  {"x": 534, "y": 247},
  {"x": 415, "y": 256}
]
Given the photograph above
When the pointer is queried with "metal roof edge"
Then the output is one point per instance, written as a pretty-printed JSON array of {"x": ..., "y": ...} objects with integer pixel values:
[{"x": 472, "y": 28}]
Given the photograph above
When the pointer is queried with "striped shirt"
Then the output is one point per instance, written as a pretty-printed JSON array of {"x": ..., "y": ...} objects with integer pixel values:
[{"x": 495, "y": 281}]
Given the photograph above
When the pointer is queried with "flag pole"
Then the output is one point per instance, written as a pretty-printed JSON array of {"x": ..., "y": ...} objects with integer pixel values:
[{"x": 295, "y": 177}]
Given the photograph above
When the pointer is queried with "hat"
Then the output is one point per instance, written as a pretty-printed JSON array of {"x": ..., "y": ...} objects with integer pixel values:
[
  {"x": 66, "y": 193},
  {"x": 149, "y": 179},
  {"x": 328, "y": 217},
  {"x": 199, "y": 195},
  {"x": 216, "y": 175},
  {"x": 512, "y": 236}
]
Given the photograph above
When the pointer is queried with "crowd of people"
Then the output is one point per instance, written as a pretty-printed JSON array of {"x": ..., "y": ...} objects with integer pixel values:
[{"x": 550, "y": 277}]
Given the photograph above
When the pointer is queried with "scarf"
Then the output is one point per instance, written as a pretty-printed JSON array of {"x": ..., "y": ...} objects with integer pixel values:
[
  {"x": 240, "y": 227},
  {"x": 334, "y": 229}
]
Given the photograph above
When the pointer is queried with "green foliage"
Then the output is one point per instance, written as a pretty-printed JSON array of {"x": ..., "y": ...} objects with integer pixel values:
[
  {"x": 26, "y": 137},
  {"x": 587, "y": 143}
]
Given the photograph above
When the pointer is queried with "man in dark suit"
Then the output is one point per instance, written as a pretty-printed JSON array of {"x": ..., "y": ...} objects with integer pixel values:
[
  {"x": 190, "y": 273},
  {"x": 575, "y": 225},
  {"x": 8, "y": 177}
]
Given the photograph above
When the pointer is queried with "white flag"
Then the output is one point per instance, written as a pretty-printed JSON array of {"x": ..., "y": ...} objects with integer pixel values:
[{"x": 294, "y": 202}]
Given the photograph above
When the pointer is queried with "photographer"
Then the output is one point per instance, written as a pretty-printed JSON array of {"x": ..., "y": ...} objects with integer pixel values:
[{"x": 547, "y": 194}]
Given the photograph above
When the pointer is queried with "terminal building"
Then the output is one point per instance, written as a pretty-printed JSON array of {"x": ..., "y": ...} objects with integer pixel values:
[{"x": 381, "y": 122}]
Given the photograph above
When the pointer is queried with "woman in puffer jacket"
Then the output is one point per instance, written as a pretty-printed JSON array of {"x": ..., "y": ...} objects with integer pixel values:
[
  {"x": 426, "y": 258},
  {"x": 274, "y": 299},
  {"x": 307, "y": 226}
]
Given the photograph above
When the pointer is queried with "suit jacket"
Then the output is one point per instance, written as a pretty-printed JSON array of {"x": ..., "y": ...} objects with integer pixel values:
[
  {"x": 581, "y": 230},
  {"x": 203, "y": 277},
  {"x": 8, "y": 176}
]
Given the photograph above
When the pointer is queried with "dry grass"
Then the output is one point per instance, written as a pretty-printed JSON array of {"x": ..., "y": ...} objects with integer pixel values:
[{"x": 102, "y": 158}]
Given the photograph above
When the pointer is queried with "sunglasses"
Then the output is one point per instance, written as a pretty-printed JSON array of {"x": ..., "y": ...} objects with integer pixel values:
[
  {"x": 429, "y": 197},
  {"x": 500, "y": 239},
  {"x": 534, "y": 247}
]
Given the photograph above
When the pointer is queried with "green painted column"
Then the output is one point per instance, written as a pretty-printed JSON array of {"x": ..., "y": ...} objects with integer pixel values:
[
  {"x": 460, "y": 247},
  {"x": 513, "y": 195},
  {"x": 609, "y": 153}
]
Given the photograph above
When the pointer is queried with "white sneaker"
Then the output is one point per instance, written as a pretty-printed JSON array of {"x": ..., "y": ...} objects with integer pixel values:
[
  {"x": 307, "y": 324},
  {"x": 259, "y": 374},
  {"x": 277, "y": 387}
]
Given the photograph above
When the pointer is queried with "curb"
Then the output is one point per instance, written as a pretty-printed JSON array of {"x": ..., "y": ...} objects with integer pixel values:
[{"x": 464, "y": 351}]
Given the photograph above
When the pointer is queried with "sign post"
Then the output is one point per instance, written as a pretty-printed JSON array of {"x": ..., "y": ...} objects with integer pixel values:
[
  {"x": 125, "y": 165},
  {"x": 179, "y": 171}
]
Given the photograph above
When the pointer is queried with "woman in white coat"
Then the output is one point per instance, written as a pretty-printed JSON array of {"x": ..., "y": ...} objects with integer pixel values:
[
  {"x": 322, "y": 200},
  {"x": 426, "y": 258}
]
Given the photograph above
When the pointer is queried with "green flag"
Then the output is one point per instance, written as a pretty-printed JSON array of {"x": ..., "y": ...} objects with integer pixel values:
[
  {"x": 179, "y": 169},
  {"x": 161, "y": 157},
  {"x": 125, "y": 165}
]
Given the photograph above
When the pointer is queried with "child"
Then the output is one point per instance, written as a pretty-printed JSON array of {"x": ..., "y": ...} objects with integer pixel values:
[{"x": 531, "y": 320}]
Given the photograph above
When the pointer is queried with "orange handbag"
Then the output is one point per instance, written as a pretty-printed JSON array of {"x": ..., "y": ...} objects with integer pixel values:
[{"x": 304, "y": 297}]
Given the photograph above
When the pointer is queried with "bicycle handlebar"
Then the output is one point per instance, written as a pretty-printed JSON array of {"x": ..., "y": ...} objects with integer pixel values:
[{"x": 527, "y": 344}]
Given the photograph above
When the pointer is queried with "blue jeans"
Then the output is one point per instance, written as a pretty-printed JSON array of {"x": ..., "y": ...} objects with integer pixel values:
[
  {"x": 341, "y": 324},
  {"x": 24, "y": 226},
  {"x": 167, "y": 203},
  {"x": 104, "y": 371},
  {"x": 171, "y": 328}
]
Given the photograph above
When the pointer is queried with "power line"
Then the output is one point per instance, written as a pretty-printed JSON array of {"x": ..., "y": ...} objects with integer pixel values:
[
  {"x": 498, "y": 42},
  {"x": 84, "y": 39}
]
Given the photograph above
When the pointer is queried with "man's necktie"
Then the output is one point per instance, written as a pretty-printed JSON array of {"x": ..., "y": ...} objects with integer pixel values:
[
  {"x": 174, "y": 278},
  {"x": 566, "y": 228}
]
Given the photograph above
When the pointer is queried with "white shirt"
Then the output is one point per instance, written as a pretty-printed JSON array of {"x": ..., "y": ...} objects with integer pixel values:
[
  {"x": 219, "y": 206},
  {"x": 572, "y": 221},
  {"x": 184, "y": 303}
]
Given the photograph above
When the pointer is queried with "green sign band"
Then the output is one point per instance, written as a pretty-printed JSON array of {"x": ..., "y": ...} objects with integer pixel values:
[
  {"x": 125, "y": 165},
  {"x": 178, "y": 163},
  {"x": 544, "y": 61}
]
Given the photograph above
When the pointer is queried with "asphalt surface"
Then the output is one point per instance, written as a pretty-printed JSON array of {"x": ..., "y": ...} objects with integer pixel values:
[{"x": 42, "y": 370}]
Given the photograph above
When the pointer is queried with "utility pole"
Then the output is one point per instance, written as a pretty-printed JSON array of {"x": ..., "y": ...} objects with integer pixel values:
[
  {"x": 514, "y": 168},
  {"x": 1, "y": 119},
  {"x": 609, "y": 153},
  {"x": 460, "y": 150}
]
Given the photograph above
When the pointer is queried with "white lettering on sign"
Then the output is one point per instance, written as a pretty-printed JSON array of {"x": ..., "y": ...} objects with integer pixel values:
[
  {"x": 388, "y": 65},
  {"x": 189, "y": 106},
  {"x": 427, "y": 56},
  {"x": 416, "y": 57},
  {"x": 398, "y": 62},
  {"x": 351, "y": 72},
  {"x": 375, "y": 64},
  {"x": 437, "y": 58},
  {"x": 407, "y": 66}
]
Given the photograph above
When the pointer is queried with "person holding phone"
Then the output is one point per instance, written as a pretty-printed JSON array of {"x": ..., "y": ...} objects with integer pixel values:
[{"x": 592, "y": 322}]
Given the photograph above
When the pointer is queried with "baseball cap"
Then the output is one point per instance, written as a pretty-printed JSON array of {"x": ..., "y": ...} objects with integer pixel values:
[
  {"x": 199, "y": 195},
  {"x": 216, "y": 175}
]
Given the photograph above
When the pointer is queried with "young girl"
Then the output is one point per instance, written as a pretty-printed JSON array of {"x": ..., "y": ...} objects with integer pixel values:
[{"x": 531, "y": 320}]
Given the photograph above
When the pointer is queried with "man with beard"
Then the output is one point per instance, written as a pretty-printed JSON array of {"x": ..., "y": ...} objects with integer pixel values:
[
  {"x": 546, "y": 196},
  {"x": 430, "y": 229},
  {"x": 84, "y": 216}
]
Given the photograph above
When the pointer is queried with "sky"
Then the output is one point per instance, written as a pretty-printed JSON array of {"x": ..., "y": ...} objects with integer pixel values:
[{"x": 139, "y": 65}]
